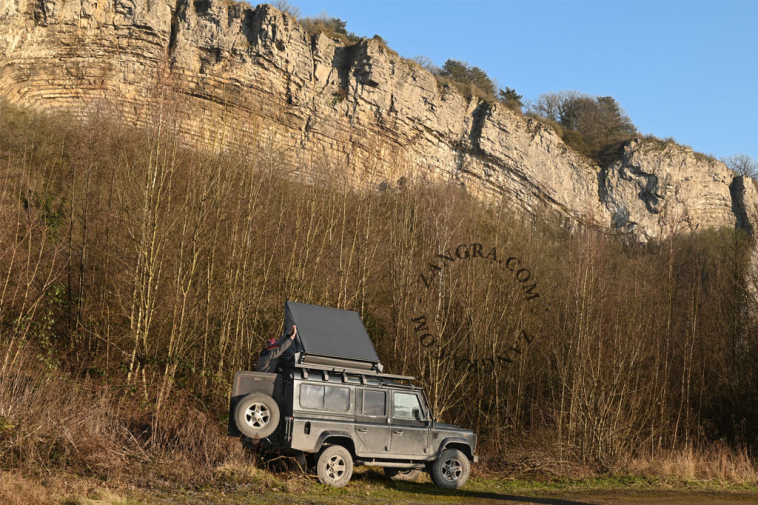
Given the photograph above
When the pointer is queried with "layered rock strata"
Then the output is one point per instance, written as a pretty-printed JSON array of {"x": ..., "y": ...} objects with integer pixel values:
[{"x": 239, "y": 76}]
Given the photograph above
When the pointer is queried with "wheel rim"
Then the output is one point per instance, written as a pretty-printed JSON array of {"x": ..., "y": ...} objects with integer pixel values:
[
  {"x": 452, "y": 469},
  {"x": 335, "y": 467},
  {"x": 257, "y": 416}
]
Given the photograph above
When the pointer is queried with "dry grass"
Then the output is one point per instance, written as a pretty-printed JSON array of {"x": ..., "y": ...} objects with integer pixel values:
[
  {"x": 16, "y": 489},
  {"x": 100, "y": 498},
  {"x": 716, "y": 462},
  {"x": 317, "y": 25},
  {"x": 19, "y": 489},
  {"x": 52, "y": 421},
  {"x": 467, "y": 90}
]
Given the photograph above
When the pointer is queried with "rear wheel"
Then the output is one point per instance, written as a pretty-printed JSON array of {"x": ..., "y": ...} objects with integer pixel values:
[
  {"x": 451, "y": 469},
  {"x": 335, "y": 466},
  {"x": 402, "y": 474},
  {"x": 257, "y": 415}
]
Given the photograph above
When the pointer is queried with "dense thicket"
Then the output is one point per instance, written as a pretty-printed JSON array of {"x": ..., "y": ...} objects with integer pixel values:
[{"x": 156, "y": 271}]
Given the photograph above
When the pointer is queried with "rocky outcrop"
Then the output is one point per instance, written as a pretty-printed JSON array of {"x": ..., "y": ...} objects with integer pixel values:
[
  {"x": 660, "y": 188},
  {"x": 239, "y": 76}
]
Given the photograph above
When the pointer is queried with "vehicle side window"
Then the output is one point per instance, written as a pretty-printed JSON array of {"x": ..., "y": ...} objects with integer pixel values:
[
  {"x": 374, "y": 403},
  {"x": 337, "y": 399},
  {"x": 324, "y": 398},
  {"x": 405, "y": 404},
  {"x": 311, "y": 397}
]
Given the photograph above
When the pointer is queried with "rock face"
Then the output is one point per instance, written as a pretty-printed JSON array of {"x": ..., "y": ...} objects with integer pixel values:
[
  {"x": 660, "y": 188},
  {"x": 239, "y": 76}
]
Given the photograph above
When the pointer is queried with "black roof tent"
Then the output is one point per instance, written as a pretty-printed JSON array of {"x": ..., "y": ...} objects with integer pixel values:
[{"x": 331, "y": 337}]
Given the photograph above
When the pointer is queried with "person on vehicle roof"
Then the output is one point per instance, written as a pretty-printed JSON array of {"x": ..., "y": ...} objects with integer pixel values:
[{"x": 269, "y": 357}]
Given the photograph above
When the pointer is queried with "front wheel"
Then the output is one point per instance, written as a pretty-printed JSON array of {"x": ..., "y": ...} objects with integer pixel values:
[
  {"x": 451, "y": 469},
  {"x": 335, "y": 466},
  {"x": 402, "y": 474}
]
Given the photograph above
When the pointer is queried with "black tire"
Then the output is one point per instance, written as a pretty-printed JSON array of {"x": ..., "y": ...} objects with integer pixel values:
[
  {"x": 451, "y": 469},
  {"x": 402, "y": 474},
  {"x": 335, "y": 466},
  {"x": 257, "y": 415}
]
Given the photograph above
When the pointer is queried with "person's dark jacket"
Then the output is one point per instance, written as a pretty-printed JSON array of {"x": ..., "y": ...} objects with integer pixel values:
[{"x": 269, "y": 358}]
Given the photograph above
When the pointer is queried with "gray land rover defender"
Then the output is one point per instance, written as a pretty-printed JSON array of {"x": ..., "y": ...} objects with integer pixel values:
[{"x": 330, "y": 405}]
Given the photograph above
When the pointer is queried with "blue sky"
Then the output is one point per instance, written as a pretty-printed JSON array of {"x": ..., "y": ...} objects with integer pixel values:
[{"x": 688, "y": 70}]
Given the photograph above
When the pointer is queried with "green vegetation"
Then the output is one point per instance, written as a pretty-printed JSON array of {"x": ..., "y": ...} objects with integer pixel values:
[
  {"x": 463, "y": 73},
  {"x": 470, "y": 82},
  {"x": 511, "y": 99},
  {"x": 596, "y": 127}
]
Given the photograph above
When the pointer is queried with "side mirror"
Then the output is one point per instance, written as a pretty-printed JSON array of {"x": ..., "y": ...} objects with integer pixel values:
[{"x": 417, "y": 415}]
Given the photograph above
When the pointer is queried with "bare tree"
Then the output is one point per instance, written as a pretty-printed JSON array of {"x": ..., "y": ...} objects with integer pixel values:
[
  {"x": 743, "y": 164},
  {"x": 553, "y": 105},
  {"x": 287, "y": 8}
]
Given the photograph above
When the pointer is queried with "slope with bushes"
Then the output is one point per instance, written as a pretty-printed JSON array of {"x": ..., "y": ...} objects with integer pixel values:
[{"x": 137, "y": 275}]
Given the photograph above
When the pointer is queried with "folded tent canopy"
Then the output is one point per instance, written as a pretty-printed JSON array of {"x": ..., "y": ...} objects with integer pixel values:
[{"x": 328, "y": 336}]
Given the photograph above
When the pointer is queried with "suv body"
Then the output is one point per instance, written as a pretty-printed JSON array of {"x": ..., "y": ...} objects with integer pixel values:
[{"x": 379, "y": 419}]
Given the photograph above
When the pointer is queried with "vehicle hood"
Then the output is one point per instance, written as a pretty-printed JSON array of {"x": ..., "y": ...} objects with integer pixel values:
[{"x": 450, "y": 427}]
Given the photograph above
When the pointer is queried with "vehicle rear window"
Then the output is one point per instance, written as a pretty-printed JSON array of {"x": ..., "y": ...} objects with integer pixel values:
[
  {"x": 373, "y": 403},
  {"x": 324, "y": 398}
]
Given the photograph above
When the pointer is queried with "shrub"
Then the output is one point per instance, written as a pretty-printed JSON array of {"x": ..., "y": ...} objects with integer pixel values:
[
  {"x": 462, "y": 73},
  {"x": 510, "y": 99},
  {"x": 596, "y": 127},
  {"x": 384, "y": 46},
  {"x": 333, "y": 28},
  {"x": 554, "y": 125},
  {"x": 425, "y": 63}
]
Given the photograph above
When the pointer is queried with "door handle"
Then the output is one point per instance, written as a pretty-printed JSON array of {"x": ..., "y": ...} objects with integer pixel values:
[
  {"x": 363, "y": 430},
  {"x": 398, "y": 432}
]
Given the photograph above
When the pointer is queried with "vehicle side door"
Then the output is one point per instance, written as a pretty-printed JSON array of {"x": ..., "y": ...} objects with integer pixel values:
[
  {"x": 371, "y": 425},
  {"x": 410, "y": 425}
]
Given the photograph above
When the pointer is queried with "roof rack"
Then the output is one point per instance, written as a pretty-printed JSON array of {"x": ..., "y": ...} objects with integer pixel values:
[{"x": 356, "y": 371}]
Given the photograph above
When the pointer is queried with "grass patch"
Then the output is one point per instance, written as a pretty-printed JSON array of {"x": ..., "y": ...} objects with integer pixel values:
[
  {"x": 241, "y": 483},
  {"x": 657, "y": 142}
]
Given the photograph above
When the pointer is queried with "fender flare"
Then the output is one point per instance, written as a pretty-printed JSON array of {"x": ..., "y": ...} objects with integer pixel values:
[
  {"x": 333, "y": 433},
  {"x": 455, "y": 440}
]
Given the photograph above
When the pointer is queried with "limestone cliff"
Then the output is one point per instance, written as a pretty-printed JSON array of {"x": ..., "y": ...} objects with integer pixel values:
[{"x": 237, "y": 74}]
